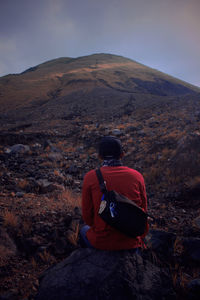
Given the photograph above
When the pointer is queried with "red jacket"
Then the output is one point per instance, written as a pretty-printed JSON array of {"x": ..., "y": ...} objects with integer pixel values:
[{"x": 123, "y": 180}]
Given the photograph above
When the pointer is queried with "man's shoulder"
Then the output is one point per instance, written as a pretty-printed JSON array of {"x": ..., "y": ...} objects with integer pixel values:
[
  {"x": 90, "y": 174},
  {"x": 124, "y": 170},
  {"x": 134, "y": 173}
]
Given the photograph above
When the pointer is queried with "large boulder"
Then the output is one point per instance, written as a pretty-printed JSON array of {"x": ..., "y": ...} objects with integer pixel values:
[{"x": 104, "y": 275}]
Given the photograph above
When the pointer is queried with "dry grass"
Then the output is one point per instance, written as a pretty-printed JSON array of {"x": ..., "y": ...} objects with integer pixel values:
[
  {"x": 70, "y": 149},
  {"x": 73, "y": 236},
  {"x": 175, "y": 273},
  {"x": 34, "y": 263},
  {"x": 5, "y": 254},
  {"x": 71, "y": 200},
  {"x": 178, "y": 247},
  {"x": 57, "y": 173},
  {"x": 10, "y": 219},
  {"x": 26, "y": 226},
  {"x": 194, "y": 182},
  {"x": 46, "y": 257}
]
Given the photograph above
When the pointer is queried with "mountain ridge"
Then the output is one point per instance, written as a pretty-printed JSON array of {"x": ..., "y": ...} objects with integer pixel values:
[{"x": 97, "y": 84}]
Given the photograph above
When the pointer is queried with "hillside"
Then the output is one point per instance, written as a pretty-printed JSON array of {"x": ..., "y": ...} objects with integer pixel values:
[
  {"x": 99, "y": 84},
  {"x": 52, "y": 117}
]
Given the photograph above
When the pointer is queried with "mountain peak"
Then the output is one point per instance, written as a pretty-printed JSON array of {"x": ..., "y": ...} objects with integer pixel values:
[{"x": 98, "y": 81}]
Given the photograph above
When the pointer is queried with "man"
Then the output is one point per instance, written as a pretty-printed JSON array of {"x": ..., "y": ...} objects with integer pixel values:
[{"x": 125, "y": 181}]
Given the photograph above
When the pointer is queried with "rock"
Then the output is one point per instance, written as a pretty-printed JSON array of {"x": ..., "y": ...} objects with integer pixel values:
[
  {"x": 20, "y": 194},
  {"x": 55, "y": 156},
  {"x": 116, "y": 132},
  {"x": 30, "y": 245},
  {"x": 194, "y": 289},
  {"x": 45, "y": 186},
  {"x": 60, "y": 246},
  {"x": 73, "y": 169},
  {"x": 19, "y": 148},
  {"x": 7, "y": 246},
  {"x": 191, "y": 248},
  {"x": 161, "y": 242},
  {"x": 77, "y": 211},
  {"x": 10, "y": 295},
  {"x": 67, "y": 219},
  {"x": 105, "y": 275},
  {"x": 196, "y": 222},
  {"x": 131, "y": 128}
]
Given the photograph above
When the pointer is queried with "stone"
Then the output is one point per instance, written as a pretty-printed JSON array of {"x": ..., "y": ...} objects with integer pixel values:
[
  {"x": 105, "y": 275},
  {"x": 20, "y": 194},
  {"x": 73, "y": 169},
  {"x": 7, "y": 246},
  {"x": 196, "y": 222},
  {"x": 55, "y": 156},
  {"x": 10, "y": 295},
  {"x": 194, "y": 289},
  {"x": 45, "y": 186},
  {"x": 116, "y": 132},
  {"x": 19, "y": 148},
  {"x": 161, "y": 242},
  {"x": 61, "y": 246},
  {"x": 30, "y": 245},
  {"x": 191, "y": 248}
]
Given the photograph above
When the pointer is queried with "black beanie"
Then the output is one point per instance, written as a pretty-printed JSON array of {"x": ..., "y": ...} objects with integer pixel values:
[{"x": 110, "y": 147}]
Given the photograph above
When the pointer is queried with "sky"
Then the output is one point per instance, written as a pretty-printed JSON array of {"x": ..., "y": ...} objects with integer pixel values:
[{"x": 162, "y": 34}]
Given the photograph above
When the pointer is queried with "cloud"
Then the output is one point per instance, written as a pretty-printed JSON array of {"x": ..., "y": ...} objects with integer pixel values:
[{"x": 160, "y": 33}]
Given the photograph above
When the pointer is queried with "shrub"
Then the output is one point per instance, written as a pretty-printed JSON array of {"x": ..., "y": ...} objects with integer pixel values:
[{"x": 10, "y": 219}]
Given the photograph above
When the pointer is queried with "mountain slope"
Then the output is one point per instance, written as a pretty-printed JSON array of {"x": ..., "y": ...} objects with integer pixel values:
[{"x": 85, "y": 83}]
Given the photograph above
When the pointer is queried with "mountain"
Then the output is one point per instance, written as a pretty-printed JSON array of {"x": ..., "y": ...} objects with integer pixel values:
[
  {"x": 99, "y": 84},
  {"x": 52, "y": 117}
]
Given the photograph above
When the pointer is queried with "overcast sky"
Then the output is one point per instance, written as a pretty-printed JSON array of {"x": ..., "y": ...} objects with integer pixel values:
[{"x": 163, "y": 34}]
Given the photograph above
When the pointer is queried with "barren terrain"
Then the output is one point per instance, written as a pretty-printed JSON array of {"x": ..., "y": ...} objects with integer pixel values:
[{"x": 48, "y": 141}]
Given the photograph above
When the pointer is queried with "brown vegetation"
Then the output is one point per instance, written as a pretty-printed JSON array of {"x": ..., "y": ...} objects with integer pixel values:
[{"x": 40, "y": 190}]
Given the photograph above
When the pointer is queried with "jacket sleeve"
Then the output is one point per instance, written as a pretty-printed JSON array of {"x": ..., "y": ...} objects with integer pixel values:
[{"x": 87, "y": 204}]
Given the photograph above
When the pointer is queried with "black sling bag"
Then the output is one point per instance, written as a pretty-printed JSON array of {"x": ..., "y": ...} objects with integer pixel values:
[{"x": 120, "y": 212}]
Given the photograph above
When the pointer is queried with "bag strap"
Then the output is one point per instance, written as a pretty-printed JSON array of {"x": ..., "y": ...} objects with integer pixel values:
[{"x": 101, "y": 181}]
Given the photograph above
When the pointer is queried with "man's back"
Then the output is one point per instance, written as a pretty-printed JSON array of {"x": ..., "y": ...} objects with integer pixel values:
[{"x": 125, "y": 181}]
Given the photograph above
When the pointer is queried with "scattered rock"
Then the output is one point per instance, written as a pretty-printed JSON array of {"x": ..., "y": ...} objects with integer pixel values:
[
  {"x": 30, "y": 245},
  {"x": 19, "y": 148},
  {"x": 55, "y": 156},
  {"x": 116, "y": 132},
  {"x": 161, "y": 242},
  {"x": 194, "y": 289},
  {"x": 196, "y": 222},
  {"x": 10, "y": 295},
  {"x": 45, "y": 186},
  {"x": 191, "y": 248},
  {"x": 73, "y": 169},
  {"x": 7, "y": 246},
  {"x": 20, "y": 194}
]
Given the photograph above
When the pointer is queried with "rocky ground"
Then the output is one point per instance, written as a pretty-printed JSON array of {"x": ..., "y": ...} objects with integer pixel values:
[{"x": 41, "y": 175}]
